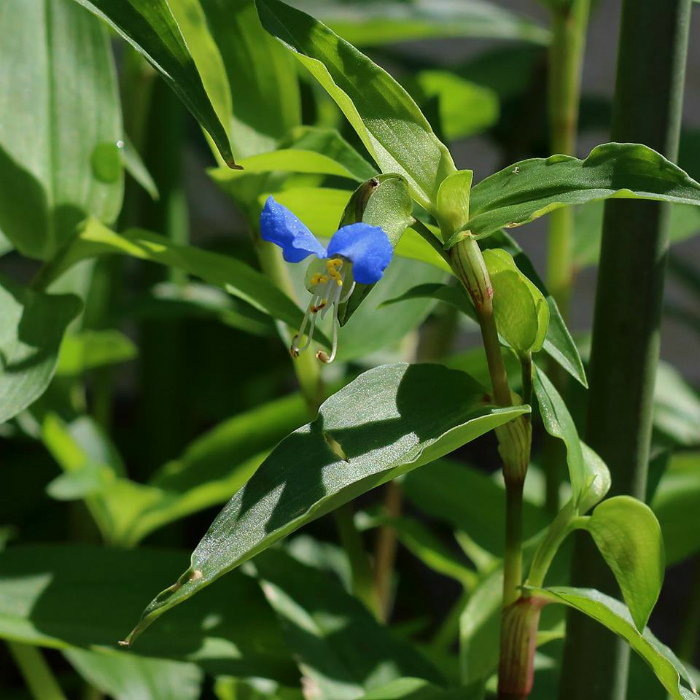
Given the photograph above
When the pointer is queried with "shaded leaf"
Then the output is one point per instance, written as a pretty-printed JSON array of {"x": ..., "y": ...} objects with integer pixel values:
[
  {"x": 54, "y": 596},
  {"x": 181, "y": 50},
  {"x": 33, "y": 324},
  {"x": 130, "y": 677},
  {"x": 417, "y": 413},
  {"x": 59, "y": 155},
  {"x": 368, "y": 23},
  {"x": 87, "y": 350},
  {"x": 386, "y": 119},
  {"x": 234, "y": 276},
  {"x": 341, "y": 649}
]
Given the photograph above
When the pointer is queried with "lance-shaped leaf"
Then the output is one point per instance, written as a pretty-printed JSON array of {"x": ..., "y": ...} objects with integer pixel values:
[
  {"x": 341, "y": 648},
  {"x": 388, "y": 421},
  {"x": 388, "y": 121},
  {"x": 174, "y": 38},
  {"x": 372, "y": 23},
  {"x": 63, "y": 596},
  {"x": 616, "y": 617},
  {"x": 235, "y": 277},
  {"x": 262, "y": 77},
  {"x": 628, "y": 536},
  {"x": 60, "y": 126},
  {"x": 588, "y": 474},
  {"x": 531, "y": 188},
  {"x": 33, "y": 324}
]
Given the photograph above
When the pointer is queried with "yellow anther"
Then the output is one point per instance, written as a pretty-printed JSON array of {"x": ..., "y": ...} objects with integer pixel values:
[{"x": 333, "y": 263}]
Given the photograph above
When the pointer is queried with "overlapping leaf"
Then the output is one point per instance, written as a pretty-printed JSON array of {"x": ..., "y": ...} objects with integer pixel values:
[{"x": 388, "y": 421}]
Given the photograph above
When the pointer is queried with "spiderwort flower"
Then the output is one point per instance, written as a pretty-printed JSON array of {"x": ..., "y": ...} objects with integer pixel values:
[{"x": 356, "y": 253}]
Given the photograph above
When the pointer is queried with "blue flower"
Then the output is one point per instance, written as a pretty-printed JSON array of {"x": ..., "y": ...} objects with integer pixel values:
[{"x": 356, "y": 253}]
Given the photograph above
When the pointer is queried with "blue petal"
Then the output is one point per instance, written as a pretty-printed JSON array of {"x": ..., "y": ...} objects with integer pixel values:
[
  {"x": 367, "y": 247},
  {"x": 278, "y": 225}
]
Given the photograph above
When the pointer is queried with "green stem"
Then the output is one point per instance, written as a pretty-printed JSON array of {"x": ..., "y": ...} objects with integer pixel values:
[
  {"x": 513, "y": 561},
  {"x": 385, "y": 551},
  {"x": 351, "y": 540},
  {"x": 37, "y": 674},
  {"x": 625, "y": 348},
  {"x": 565, "y": 522},
  {"x": 569, "y": 25}
]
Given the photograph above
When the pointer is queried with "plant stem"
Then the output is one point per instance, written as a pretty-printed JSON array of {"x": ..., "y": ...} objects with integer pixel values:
[
  {"x": 385, "y": 551},
  {"x": 625, "y": 349},
  {"x": 517, "y": 649},
  {"x": 351, "y": 540},
  {"x": 569, "y": 25},
  {"x": 37, "y": 674},
  {"x": 566, "y": 52}
]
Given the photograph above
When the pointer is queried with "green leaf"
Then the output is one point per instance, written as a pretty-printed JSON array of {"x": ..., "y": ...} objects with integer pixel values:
[
  {"x": 558, "y": 423},
  {"x": 370, "y": 24},
  {"x": 210, "y": 471},
  {"x": 130, "y": 677},
  {"x": 33, "y": 324},
  {"x": 56, "y": 596},
  {"x": 532, "y": 188},
  {"x": 223, "y": 271},
  {"x": 558, "y": 344},
  {"x": 419, "y": 689},
  {"x": 426, "y": 546},
  {"x": 262, "y": 77},
  {"x": 676, "y": 504},
  {"x": 628, "y": 536},
  {"x": 465, "y": 109},
  {"x": 416, "y": 414},
  {"x": 87, "y": 350},
  {"x": 676, "y": 407},
  {"x": 176, "y": 42},
  {"x": 453, "y": 201},
  {"x": 615, "y": 616},
  {"x": 470, "y": 501},
  {"x": 341, "y": 649},
  {"x": 382, "y": 113},
  {"x": 63, "y": 162},
  {"x": 286, "y": 159},
  {"x": 137, "y": 168},
  {"x": 521, "y": 312}
]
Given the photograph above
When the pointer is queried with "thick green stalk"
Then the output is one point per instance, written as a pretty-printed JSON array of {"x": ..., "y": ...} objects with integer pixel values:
[
  {"x": 566, "y": 52},
  {"x": 37, "y": 674},
  {"x": 625, "y": 349},
  {"x": 569, "y": 25}
]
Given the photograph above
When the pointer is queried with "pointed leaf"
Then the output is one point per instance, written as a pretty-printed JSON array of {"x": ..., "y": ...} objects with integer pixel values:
[
  {"x": 342, "y": 650},
  {"x": 181, "y": 50},
  {"x": 32, "y": 328},
  {"x": 386, "y": 119},
  {"x": 532, "y": 188},
  {"x": 55, "y": 596},
  {"x": 628, "y": 536},
  {"x": 390, "y": 420},
  {"x": 615, "y": 616},
  {"x": 61, "y": 125},
  {"x": 370, "y": 24}
]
